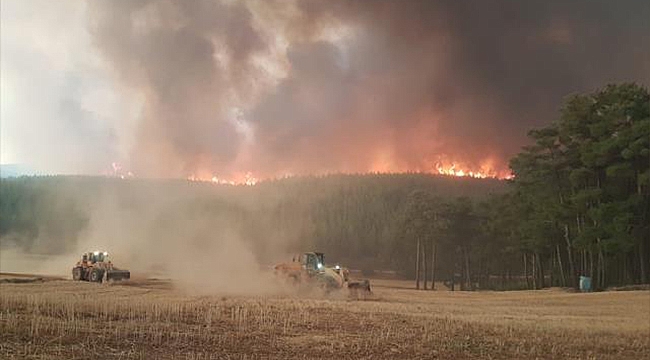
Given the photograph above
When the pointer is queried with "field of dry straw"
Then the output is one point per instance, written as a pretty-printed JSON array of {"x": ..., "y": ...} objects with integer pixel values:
[{"x": 150, "y": 320}]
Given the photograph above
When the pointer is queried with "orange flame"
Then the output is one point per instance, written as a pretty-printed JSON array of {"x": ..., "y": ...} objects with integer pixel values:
[
  {"x": 382, "y": 164},
  {"x": 488, "y": 168},
  {"x": 246, "y": 179},
  {"x": 452, "y": 171}
]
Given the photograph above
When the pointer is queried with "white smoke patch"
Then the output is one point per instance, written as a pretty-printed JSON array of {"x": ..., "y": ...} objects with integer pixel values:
[
  {"x": 14, "y": 260},
  {"x": 59, "y": 100}
]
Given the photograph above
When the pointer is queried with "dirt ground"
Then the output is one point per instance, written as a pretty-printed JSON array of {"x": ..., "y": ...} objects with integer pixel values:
[{"x": 51, "y": 318}]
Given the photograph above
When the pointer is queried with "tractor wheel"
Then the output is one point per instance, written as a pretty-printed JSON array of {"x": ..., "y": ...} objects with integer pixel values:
[
  {"x": 326, "y": 284},
  {"x": 96, "y": 275},
  {"x": 76, "y": 274}
]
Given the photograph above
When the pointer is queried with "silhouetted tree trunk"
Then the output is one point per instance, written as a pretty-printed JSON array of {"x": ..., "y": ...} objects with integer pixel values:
[
  {"x": 642, "y": 262},
  {"x": 424, "y": 262},
  {"x": 591, "y": 264},
  {"x": 559, "y": 262},
  {"x": 540, "y": 272},
  {"x": 417, "y": 266},
  {"x": 642, "y": 250},
  {"x": 480, "y": 273},
  {"x": 535, "y": 283},
  {"x": 526, "y": 271},
  {"x": 551, "y": 273},
  {"x": 600, "y": 267},
  {"x": 603, "y": 266},
  {"x": 433, "y": 266},
  {"x": 468, "y": 277},
  {"x": 624, "y": 275}
]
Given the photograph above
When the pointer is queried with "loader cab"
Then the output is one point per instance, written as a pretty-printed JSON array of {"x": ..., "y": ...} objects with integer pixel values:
[
  {"x": 313, "y": 261},
  {"x": 95, "y": 257}
]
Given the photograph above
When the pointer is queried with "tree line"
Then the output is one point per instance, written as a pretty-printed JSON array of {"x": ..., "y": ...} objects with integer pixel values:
[
  {"x": 578, "y": 205},
  {"x": 582, "y": 189}
]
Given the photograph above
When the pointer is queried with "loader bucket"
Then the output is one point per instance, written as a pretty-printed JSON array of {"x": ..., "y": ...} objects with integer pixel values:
[{"x": 118, "y": 275}]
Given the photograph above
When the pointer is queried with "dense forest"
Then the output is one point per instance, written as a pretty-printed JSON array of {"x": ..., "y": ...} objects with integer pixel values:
[
  {"x": 581, "y": 198},
  {"x": 579, "y": 204}
]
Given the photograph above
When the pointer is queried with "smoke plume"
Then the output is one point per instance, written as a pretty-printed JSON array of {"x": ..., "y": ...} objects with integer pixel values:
[
  {"x": 193, "y": 234},
  {"x": 223, "y": 88}
]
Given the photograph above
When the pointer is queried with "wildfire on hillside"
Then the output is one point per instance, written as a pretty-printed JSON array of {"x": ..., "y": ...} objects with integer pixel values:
[
  {"x": 489, "y": 168},
  {"x": 240, "y": 179},
  {"x": 482, "y": 173},
  {"x": 452, "y": 169}
]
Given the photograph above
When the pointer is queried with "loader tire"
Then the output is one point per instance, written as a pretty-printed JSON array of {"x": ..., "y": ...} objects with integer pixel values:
[
  {"x": 96, "y": 275},
  {"x": 76, "y": 274}
]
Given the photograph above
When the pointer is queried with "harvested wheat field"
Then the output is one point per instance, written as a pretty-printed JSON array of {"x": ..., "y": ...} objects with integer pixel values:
[{"x": 60, "y": 319}]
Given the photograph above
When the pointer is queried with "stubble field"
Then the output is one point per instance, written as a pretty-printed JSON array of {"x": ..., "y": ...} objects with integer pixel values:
[{"x": 149, "y": 319}]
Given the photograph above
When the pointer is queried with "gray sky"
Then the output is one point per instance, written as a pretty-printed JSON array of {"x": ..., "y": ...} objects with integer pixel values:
[{"x": 208, "y": 88}]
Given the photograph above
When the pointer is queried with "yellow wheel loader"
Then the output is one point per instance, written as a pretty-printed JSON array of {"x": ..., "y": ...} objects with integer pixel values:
[
  {"x": 95, "y": 266},
  {"x": 309, "y": 268}
]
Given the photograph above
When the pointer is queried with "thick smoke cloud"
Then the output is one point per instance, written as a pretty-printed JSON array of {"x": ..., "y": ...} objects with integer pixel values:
[
  {"x": 427, "y": 81},
  {"x": 301, "y": 87},
  {"x": 189, "y": 60},
  {"x": 58, "y": 112}
]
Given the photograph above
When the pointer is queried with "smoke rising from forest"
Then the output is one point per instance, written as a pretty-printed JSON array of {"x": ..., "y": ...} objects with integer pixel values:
[
  {"x": 277, "y": 88},
  {"x": 223, "y": 88}
]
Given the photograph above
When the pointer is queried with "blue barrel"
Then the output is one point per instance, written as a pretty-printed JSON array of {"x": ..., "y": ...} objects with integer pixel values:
[{"x": 585, "y": 284}]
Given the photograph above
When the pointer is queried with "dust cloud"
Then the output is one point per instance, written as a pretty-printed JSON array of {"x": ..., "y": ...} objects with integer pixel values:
[
  {"x": 169, "y": 232},
  {"x": 15, "y": 260}
]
